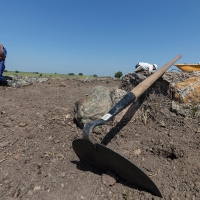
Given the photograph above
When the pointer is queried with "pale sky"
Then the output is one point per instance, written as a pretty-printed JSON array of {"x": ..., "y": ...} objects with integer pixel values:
[{"x": 98, "y": 36}]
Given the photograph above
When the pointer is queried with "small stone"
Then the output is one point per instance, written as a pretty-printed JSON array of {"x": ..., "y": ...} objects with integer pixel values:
[
  {"x": 37, "y": 188},
  {"x": 16, "y": 156},
  {"x": 162, "y": 124},
  {"x": 56, "y": 141},
  {"x": 67, "y": 116},
  {"x": 109, "y": 178},
  {"x": 137, "y": 152},
  {"x": 22, "y": 124}
]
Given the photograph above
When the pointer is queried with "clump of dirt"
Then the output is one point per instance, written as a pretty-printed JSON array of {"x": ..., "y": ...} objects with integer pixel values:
[{"x": 37, "y": 160}]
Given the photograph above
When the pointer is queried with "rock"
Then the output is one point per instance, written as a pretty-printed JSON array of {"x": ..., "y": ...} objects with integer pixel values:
[
  {"x": 18, "y": 82},
  {"x": 116, "y": 95},
  {"x": 4, "y": 144},
  {"x": 16, "y": 156},
  {"x": 93, "y": 106},
  {"x": 96, "y": 104},
  {"x": 188, "y": 91},
  {"x": 130, "y": 80},
  {"x": 22, "y": 124},
  {"x": 137, "y": 152},
  {"x": 109, "y": 178},
  {"x": 68, "y": 116},
  {"x": 62, "y": 85},
  {"x": 187, "y": 110},
  {"x": 166, "y": 112},
  {"x": 36, "y": 188}
]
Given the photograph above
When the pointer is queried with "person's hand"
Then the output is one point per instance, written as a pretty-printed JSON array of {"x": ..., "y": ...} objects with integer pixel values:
[{"x": 2, "y": 57}]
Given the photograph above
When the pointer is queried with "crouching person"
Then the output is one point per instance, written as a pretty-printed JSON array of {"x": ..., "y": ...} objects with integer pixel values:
[
  {"x": 141, "y": 66},
  {"x": 3, "y": 54}
]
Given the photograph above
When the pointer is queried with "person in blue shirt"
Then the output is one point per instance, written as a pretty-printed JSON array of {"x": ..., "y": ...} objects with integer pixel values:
[{"x": 3, "y": 54}]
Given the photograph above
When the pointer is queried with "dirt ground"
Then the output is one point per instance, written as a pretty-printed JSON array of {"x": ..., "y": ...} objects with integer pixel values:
[{"x": 37, "y": 161}]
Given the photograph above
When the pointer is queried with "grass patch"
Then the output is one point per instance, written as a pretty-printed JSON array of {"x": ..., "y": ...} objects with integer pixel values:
[{"x": 46, "y": 75}]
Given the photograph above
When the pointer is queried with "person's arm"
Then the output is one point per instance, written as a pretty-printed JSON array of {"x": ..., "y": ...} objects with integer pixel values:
[
  {"x": 5, "y": 52},
  {"x": 2, "y": 57}
]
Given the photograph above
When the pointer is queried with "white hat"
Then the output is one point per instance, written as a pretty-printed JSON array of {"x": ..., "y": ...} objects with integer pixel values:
[{"x": 155, "y": 66}]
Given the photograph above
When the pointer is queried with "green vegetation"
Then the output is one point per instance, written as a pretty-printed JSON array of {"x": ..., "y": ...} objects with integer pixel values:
[
  {"x": 118, "y": 74},
  {"x": 47, "y": 75},
  {"x": 71, "y": 74}
]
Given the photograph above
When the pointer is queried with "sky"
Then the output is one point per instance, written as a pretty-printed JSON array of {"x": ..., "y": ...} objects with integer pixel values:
[{"x": 98, "y": 37}]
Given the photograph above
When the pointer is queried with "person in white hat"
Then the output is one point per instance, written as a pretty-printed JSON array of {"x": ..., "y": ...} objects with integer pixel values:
[{"x": 142, "y": 66}]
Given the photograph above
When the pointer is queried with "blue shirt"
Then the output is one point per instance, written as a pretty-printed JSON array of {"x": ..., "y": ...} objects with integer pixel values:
[{"x": 5, "y": 53}]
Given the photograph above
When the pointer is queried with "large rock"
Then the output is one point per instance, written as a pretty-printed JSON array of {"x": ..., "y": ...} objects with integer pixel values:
[
  {"x": 96, "y": 104},
  {"x": 17, "y": 82},
  {"x": 130, "y": 80},
  {"x": 187, "y": 97},
  {"x": 186, "y": 109},
  {"x": 93, "y": 106},
  {"x": 188, "y": 91}
]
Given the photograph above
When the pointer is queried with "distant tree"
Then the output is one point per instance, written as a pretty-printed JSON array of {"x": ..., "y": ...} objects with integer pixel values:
[
  {"x": 16, "y": 71},
  {"x": 55, "y": 73},
  {"x": 5, "y": 70},
  {"x": 40, "y": 74},
  {"x": 118, "y": 74},
  {"x": 71, "y": 74},
  {"x": 80, "y": 74},
  {"x": 95, "y": 75}
]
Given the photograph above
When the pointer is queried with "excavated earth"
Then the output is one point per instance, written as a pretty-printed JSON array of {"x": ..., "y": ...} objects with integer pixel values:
[{"x": 37, "y": 160}]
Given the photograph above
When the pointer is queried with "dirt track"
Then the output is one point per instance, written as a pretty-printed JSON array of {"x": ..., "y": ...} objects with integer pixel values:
[{"x": 37, "y": 160}]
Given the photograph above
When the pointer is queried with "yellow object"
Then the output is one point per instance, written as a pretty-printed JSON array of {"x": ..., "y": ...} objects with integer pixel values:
[{"x": 188, "y": 67}]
